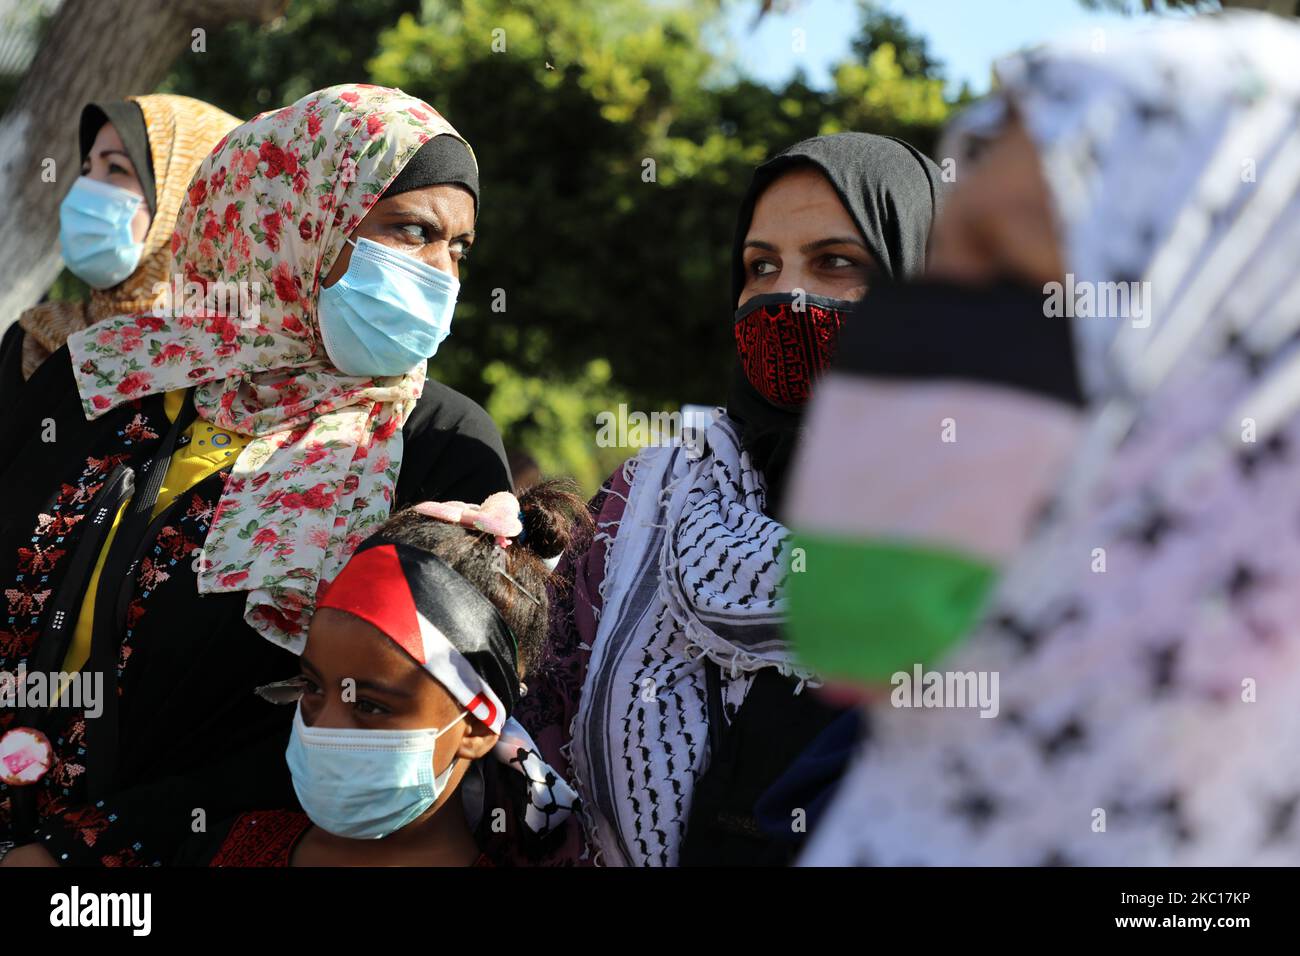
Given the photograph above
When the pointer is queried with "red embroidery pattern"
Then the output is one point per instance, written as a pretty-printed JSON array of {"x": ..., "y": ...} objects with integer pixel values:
[
  {"x": 267, "y": 838},
  {"x": 170, "y": 548},
  {"x": 173, "y": 542},
  {"x": 264, "y": 838},
  {"x": 138, "y": 430},
  {"x": 87, "y": 822},
  {"x": 26, "y": 601},
  {"x": 784, "y": 351},
  {"x": 151, "y": 575},
  {"x": 56, "y": 526}
]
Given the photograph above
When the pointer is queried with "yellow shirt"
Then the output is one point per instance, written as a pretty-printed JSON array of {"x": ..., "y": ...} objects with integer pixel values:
[{"x": 208, "y": 451}]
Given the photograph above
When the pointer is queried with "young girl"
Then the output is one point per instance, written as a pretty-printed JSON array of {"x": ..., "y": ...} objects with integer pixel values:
[{"x": 413, "y": 664}]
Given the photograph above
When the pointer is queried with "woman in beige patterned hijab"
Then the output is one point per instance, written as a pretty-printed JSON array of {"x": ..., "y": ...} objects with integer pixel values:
[{"x": 150, "y": 145}]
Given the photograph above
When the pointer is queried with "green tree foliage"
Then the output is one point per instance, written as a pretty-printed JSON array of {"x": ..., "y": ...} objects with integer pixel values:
[
  {"x": 247, "y": 69},
  {"x": 614, "y": 138},
  {"x": 879, "y": 27},
  {"x": 555, "y": 421}
]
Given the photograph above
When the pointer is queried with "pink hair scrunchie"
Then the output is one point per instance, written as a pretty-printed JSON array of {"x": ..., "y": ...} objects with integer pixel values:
[{"x": 498, "y": 515}]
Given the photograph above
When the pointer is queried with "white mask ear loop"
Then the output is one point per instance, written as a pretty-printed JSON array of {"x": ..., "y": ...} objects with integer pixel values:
[
  {"x": 441, "y": 779},
  {"x": 454, "y": 722}
]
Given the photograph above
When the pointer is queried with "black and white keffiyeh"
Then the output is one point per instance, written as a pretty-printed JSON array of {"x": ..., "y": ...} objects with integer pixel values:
[
  {"x": 550, "y": 799},
  {"x": 694, "y": 572},
  {"x": 1148, "y": 639}
]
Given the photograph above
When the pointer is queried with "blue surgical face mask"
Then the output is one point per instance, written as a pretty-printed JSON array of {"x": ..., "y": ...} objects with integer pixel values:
[
  {"x": 387, "y": 313},
  {"x": 95, "y": 232},
  {"x": 365, "y": 784}
]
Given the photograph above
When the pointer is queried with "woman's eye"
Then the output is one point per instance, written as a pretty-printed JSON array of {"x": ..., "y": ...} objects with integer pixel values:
[
  {"x": 415, "y": 231},
  {"x": 308, "y": 686},
  {"x": 117, "y": 170},
  {"x": 370, "y": 707},
  {"x": 460, "y": 249},
  {"x": 763, "y": 267},
  {"x": 838, "y": 262}
]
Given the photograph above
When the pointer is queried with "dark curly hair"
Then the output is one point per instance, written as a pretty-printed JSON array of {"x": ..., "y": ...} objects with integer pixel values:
[{"x": 553, "y": 515}]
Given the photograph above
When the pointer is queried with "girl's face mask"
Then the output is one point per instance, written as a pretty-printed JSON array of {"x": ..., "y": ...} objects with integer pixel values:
[
  {"x": 786, "y": 340},
  {"x": 365, "y": 784},
  {"x": 387, "y": 313},
  {"x": 95, "y": 232}
]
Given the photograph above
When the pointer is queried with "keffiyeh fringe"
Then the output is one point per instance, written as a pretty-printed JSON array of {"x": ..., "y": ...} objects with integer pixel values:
[{"x": 684, "y": 580}]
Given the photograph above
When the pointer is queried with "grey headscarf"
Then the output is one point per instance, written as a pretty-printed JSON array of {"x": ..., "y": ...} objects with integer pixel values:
[{"x": 893, "y": 192}]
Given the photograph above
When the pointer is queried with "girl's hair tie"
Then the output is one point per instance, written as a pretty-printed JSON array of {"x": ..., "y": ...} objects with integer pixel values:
[{"x": 499, "y": 515}]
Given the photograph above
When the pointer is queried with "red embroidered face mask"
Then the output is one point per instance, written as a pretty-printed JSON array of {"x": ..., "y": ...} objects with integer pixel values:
[{"x": 783, "y": 349}]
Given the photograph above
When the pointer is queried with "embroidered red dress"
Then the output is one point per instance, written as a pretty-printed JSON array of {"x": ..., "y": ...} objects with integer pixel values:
[{"x": 267, "y": 838}]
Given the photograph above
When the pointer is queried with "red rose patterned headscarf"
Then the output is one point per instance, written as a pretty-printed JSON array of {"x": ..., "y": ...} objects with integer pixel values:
[{"x": 270, "y": 208}]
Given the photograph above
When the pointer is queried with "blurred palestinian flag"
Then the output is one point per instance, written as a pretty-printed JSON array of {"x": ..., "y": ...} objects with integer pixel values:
[{"x": 929, "y": 448}]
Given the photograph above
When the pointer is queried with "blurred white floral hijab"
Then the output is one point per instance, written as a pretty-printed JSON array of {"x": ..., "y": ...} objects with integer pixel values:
[
  {"x": 1148, "y": 713},
  {"x": 271, "y": 207}
]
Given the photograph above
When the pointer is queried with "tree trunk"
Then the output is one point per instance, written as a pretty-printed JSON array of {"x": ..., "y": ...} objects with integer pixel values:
[{"x": 98, "y": 51}]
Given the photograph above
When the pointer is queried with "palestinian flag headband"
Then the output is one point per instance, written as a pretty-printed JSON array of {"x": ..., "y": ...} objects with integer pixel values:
[{"x": 437, "y": 617}]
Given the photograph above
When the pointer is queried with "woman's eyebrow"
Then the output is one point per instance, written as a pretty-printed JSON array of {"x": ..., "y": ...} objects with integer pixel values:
[
  {"x": 415, "y": 214},
  {"x": 759, "y": 244},
  {"x": 429, "y": 219},
  {"x": 834, "y": 241},
  {"x": 105, "y": 153}
]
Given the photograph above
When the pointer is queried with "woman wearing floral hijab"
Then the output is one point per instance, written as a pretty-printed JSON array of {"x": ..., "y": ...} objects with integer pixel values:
[
  {"x": 138, "y": 156},
  {"x": 1144, "y": 637},
  {"x": 254, "y": 465}
]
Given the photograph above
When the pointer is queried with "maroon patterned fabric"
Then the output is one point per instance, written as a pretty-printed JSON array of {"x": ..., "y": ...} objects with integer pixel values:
[
  {"x": 267, "y": 838},
  {"x": 264, "y": 838},
  {"x": 783, "y": 350}
]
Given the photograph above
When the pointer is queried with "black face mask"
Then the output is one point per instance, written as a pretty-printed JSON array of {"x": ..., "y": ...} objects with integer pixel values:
[
  {"x": 785, "y": 342},
  {"x": 996, "y": 333}
]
